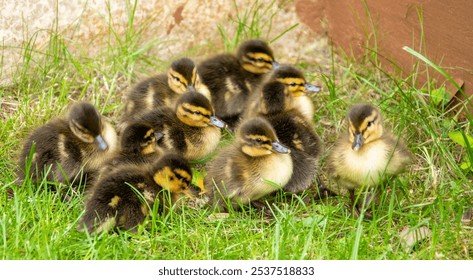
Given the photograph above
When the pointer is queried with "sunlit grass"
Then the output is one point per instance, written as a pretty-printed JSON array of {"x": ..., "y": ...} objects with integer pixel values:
[{"x": 39, "y": 224}]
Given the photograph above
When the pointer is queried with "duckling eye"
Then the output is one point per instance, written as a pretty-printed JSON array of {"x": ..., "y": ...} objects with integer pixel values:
[
  {"x": 292, "y": 84},
  {"x": 258, "y": 140},
  {"x": 370, "y": 123},
  {"x": 197, "y": 113},
  {"x": 177, "y": 79}
]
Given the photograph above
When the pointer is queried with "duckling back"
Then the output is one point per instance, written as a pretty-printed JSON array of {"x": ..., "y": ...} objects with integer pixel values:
[{"x": 231, "y": 78}]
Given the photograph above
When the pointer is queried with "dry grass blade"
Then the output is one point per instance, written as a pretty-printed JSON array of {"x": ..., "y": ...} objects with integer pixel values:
[
  {"x": 412, "y": 236},
  {"x": 466, "y": 217}
]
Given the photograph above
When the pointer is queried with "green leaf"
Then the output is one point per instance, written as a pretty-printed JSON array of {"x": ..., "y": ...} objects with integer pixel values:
[
  {"x": 440, "y": 96},
  {"x": 466, "y": 165},
  {"x": 459, "y": 138}
]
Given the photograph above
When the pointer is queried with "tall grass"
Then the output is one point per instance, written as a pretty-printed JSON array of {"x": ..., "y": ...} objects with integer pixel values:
[
  {"x": 253, "y": 22},
  {"x": 38, "y": 224}
]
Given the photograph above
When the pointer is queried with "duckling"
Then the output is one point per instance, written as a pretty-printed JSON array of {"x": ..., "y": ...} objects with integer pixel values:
[
  {"x": 297, "y": 85},
  {"x": 191, "y": 129},
  {"x": 294, "y": 131},
  {"x": 123, "y": 198},
  {"x": 256, "y": 165},
  {"x": 232, "y": 78},
  {"x": 366, "y": 154},
  {"x": 81, "y": 141},
  {"x": 164, "y": 89},
  {"x": 138, "y": 144}
]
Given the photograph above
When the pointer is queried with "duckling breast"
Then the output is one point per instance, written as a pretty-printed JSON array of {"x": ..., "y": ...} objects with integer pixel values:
[
  {"x": 305, "y": 106},
  {"x": 366, "y": 166},
  {"x": 202, "y": 142},
  {"x": 271, "y": 173}
]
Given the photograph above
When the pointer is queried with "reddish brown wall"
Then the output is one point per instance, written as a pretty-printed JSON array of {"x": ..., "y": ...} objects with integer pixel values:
[{"x": 447, "y": 27}]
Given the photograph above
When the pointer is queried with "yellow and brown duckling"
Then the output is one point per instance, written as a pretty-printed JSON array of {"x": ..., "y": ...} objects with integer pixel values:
[
  {"x": 191, "y": 129},
  {"x": 231, "y": 78},
  {"x": 366, "y": 154},
  {"x": 81, "y": 142},
  {"x": 295, "y": 132},
  {"x": 256, "y": 165},
  {"x": 123, "y": 198},
  {"x": 138, "y": 144},
  {"x": 298, "y": 87},
  {"x": 164, "y": 89}
]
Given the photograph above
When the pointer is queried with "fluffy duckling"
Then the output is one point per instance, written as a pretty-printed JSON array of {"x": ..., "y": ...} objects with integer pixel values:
[
  {"x": 164, "y": 89},
  {"x": 81, "y": 141},
  {"x": 294, "y": 131},
  {"x": 232, "y": 78},
  {"x": 366, "y": 154},
  {"x": 191, "y": 129},
  {"x": 256, "y": 165},
  {"x": 123, "y": 198},
  {"x": 138, "y": 144},
  {"x": 296, "y": 84}
]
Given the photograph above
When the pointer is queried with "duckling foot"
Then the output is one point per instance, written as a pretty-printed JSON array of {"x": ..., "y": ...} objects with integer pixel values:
[
  {"x": 321, "y": 190},
  {"x": 363, "y": 206},
  {"x": 264, "y": 208},
  {"x": 10, "y": 193}
]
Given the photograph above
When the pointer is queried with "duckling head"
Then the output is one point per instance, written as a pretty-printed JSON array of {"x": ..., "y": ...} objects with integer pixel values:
[
  {"x": 365, "y": 125},
  {"x": 140, "y": 139},
  {"x": 173, "y": 173},
  {"x": 194, "y": 109},
  {"x": 276, "y": 98},
  {"x": 86, "y": 123},
  {"x": 294, "y": 79},
  {"x": 257, "y": 138},
  {"x": 182, "y": 75},
  {"x": 256, "y": 57}
]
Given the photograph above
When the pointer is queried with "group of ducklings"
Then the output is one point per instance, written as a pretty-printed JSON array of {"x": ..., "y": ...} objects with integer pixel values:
[{"x": 176, "y": 117}]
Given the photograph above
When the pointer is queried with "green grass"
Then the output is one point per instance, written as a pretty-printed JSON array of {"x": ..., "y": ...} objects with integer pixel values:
[{"x": 37, "y": 224}]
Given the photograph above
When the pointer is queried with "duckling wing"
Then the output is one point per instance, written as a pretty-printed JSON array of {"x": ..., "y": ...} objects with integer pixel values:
[
  {"x": 398, "y": 155},
  {"x": 57, "y": 149},
  {"x": 117, "y": 200},
  {"x": 224, "y": 177},
  {"x": 228, "y": 87},
  {"x": 306, "y": 148},
  {"x": 158, "y": 118},
  {"x": 147, "y": 95},
  {"x": 214, "y": 70},
  {"x": 176, "y": 139}
]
